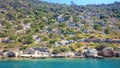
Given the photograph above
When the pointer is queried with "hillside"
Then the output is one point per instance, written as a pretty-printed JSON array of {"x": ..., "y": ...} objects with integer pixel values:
[{"x": 30, "y": 23}]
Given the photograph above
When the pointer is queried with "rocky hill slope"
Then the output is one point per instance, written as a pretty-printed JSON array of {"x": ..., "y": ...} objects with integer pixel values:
[{"x": 38, "y": 23}]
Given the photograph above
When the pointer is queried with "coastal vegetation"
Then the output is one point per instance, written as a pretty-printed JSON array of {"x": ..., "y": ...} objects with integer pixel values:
[{"x": 61, "y": 28}]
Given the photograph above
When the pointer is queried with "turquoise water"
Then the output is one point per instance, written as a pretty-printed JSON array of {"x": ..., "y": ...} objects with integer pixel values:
[{"x": 61, "y": 63}]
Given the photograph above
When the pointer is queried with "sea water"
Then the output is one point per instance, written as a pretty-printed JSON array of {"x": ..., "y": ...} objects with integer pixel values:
[{"x": 60, "y": 63}]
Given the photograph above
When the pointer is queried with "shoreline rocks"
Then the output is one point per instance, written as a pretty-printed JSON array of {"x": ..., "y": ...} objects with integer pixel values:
[
  {"x": 44, "y": 53},
  {"x": 90, "y": 52},
  {"x": 108, "y": 52}
]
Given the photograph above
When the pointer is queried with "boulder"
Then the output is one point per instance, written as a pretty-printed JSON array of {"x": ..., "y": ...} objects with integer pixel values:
[
  {"x": 4, "y": 54},
  {"x": 41, "y": 49},
  {"x": 117, "y": 53},
  {"x": 11, "y": 54},
  {"x": 108, "y": 52},
  {"x": 28, "y": 51},
  {"x": 1, "y": 52},
  {"x": 78, "y": 54},
  {"x": 90, "y": 52}
]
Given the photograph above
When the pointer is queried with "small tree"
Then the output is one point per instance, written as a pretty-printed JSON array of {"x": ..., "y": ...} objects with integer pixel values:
[
  {"x": 56, "y": 51},
  {"x": 78, "y": 45},
  {"x": 3, "y": 34},
  {"x": 64, "y": 49},
  {"x": 107, "y": 31},
  {"x": 26, "y": 39},
  {"x": 97, "y": 27},
  {"x": 12, "y": 37},
  {"x": 62, "y": 25}
]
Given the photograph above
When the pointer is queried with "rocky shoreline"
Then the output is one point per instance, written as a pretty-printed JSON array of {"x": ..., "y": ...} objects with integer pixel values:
[{"x": 41, "y": 53}]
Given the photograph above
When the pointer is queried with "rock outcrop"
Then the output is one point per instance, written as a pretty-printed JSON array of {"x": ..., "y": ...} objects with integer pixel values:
[
  {"x": 11, "y": 54},
  {"x": 90, "y": 52},
  {"x": 108, "y": 52}
]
